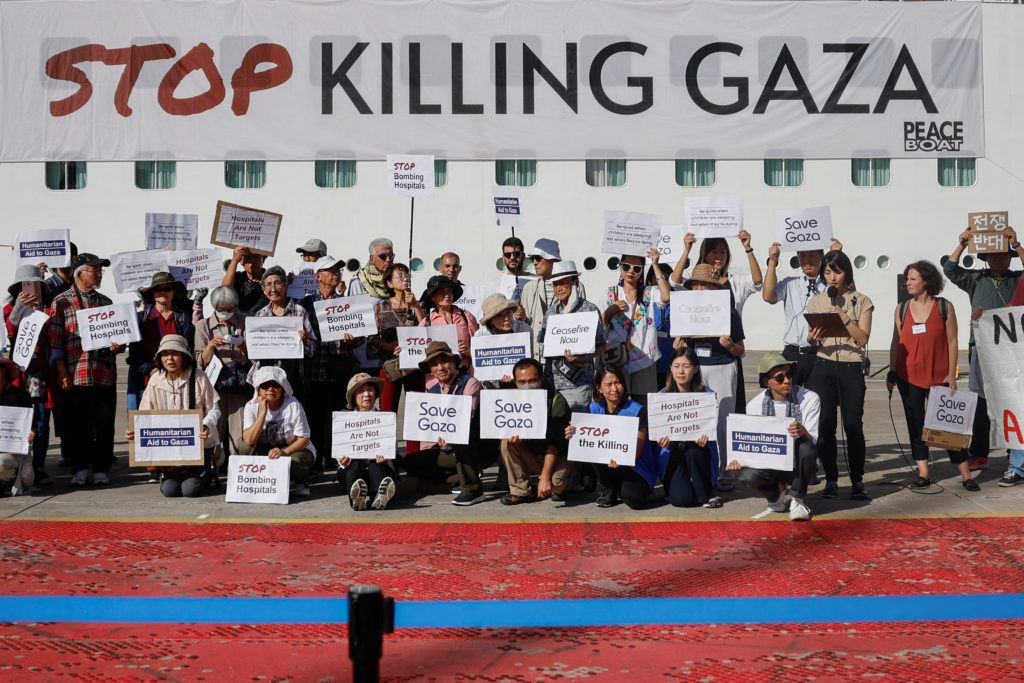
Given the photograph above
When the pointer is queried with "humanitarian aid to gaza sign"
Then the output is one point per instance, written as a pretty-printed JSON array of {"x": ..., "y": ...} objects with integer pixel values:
[
  {"x": 494, "y": 355},
  {"x": 762, "y": 442},
  {"x": 262, "y": 79},
  {"x": 1000, "y": 347},
  {"x": 165, "y": 437},
  {"x": 51, "y": 246}
]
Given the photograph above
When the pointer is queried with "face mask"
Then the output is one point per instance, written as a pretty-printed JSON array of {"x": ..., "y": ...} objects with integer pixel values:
[
  {"x": 529, "y": 386},
  {"x": 224, "y": 315}
]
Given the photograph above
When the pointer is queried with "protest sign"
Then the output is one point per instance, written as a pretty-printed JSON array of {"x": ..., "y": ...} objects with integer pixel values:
[
  {"x": 165, "y": 438},
  {"x": 762, "y": 442},
  {"x": 134, "y": 269},
  {"x": 700, "y": 313},
  {"x": 303, "y": 280},
  {"x": 363, "y": 436},
  {"x": 572, "y": 332},
  {"x": 949, "y": 419},
  {"x": 51, "y": 246},
  {"x": 15, "y": 424},
  {"x": 987, "y": 231},
  {"x": 682, "y": 416},
  {"x": 213, "y": 368},
  {"x": 495, "y": 354},
  {"x": 803, "y": 229},
  {"x": 242, "y": 226},
  {"x": 410, "y": 175},
  {"x": 196, "y": 268},
  {"x": 429, "y": 417},
  {"x": 720, "y": 216},
  {"x": 510, "y": 286},
  {"x": 346, "y": 315},
  {"x": 603, "y": 438},
  {"x": 671, "y": 243},
  {"x": 413, "y": 342},
  {"x": 273, "y": 338},
  {"x": 258, "y": 479},
  {"x": 175, "y": 231},
  {"x": 628, "y": 233},
  {"x": 28, "y": 335},
  {"x": 513, "y": 412},
  {"x": 105, "y": 325},
  {"x": 472, "y": 299},
  {"x": 508, "y": 206},
  {"x": 3, "y": 338},
  {"x": 1000, "y": 352}
]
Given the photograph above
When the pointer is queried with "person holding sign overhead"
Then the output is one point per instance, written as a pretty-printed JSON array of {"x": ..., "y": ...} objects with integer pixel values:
[
  {"x": 359, "y": 477},
  {"x": 923, "y": 355},
  {"x": 177, "y": 385},
  {"x": 88, "y": 378},
  {"x": 714, "y": 251},
  {"x": 628, "y": 316},
  {"x": 275, "y": 287},
  {"x": 838, "y": 374},
  {"x": 782, "y": 397},
  {"x": 248, "y": 282},
  {"x": 438, "y": 302}
]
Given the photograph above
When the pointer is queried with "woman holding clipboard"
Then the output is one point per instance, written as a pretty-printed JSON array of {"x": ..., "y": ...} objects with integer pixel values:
[{"x": 841, "y": 336}]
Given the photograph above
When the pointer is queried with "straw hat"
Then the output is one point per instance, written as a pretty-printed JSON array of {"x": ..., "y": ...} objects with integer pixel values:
[
  {"x": 357, "y": 381},
  {"x": 495, "y": 304},
  {"x": 703, "y": 273}
]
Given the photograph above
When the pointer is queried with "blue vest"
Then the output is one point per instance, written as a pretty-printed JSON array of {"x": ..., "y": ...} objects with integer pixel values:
[{"x": 648, "y": 465}]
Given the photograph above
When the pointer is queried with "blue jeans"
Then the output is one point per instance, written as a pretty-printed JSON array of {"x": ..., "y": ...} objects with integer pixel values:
[{"x": 1017, "y": 461}]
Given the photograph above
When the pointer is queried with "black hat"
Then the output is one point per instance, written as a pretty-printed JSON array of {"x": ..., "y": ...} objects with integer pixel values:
[
  {"x": 87, "y": 259},
  {"x": 437, "y": 283}
]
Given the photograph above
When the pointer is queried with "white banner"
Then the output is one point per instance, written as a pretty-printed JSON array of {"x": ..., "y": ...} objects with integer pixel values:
[
  {"x": 196, "y": 268},
  {"x": 494, "y": 355},
  {"x": 28, "y": 335},
  {"x": 52, "y": 246},
  {"x": 603, "y": 438},
  {"x": 134, "y": 269},
  {"x": 572, "y": 332},
  {"x": 760, "y": 442},
  {"x": 700, "y": 313},
  {"x": 719, "y": 216},
  {"x": 429, "y": 417},
  {"x": 630, "y": 234},
  {"x": 258, "y": 479},
  {"x": 469, "y": 80},
  {"x": 513, "y": 412},
  {"x": 177, "y": 231},
  {"x": 364, "y": 436},
  {"x": 165, "y": 438},
  {"x": 414, "y": 341},
  {"x": 1000, "y": 349},
  {"x": 951, "y": 412},
  {"x": 102, "y": 326},
  {"x": 682, "y": 416},
  {"x": 346, "y": 315},
  {"x": 15, "y": 424},
  {"x": 410, "y": 175},
  {"x": 273, "y": 338},
  {"x": 803, "y": 229}
]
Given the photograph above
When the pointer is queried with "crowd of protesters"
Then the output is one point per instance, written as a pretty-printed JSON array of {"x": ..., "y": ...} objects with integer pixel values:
[{"x": 283, "y": 408}]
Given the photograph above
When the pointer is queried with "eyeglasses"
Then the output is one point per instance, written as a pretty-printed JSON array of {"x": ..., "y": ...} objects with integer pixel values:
[
  {"x": 513, "y": 254},
  {"x": 386, "y": 256},
  {"x": 276, "y": 284},
  {"x": 632, "y": 268},
  {"x": 781, "y": 377},
  {"x": 94, "y": 271}
]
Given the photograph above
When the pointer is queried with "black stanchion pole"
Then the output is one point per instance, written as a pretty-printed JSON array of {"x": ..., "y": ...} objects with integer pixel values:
[{"x": 370, "y": 616}]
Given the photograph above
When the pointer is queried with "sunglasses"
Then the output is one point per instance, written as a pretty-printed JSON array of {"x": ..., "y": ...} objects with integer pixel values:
[
  {"x": 386, "y": 256},
  {"x": 513, "y": 254},
  {"x": 632, "y": 268},
  {"x": 781, "y": 377},
  {"x": 163, "y": 288},
  {"x": 536, "y": 259}
]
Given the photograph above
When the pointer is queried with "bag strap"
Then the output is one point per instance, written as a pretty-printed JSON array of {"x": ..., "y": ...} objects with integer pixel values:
[
  {"x": 192, "y": 390},
  {"x": 943, "y": 309}
]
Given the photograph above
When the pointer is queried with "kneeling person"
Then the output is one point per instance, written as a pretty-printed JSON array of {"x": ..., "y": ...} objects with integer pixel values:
[
  {"x": 546, "y": 457},
  {"x": 782, "y": 397},
  {"x": 359, "y": 477}
]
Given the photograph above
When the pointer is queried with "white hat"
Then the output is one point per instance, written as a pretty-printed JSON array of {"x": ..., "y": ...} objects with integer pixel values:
[
  {"x": 325, "y": 263},
  {"x": 271, "y": 373},
  {"x": 562, "y": 270},
  {"x": 547, "y": 249}
]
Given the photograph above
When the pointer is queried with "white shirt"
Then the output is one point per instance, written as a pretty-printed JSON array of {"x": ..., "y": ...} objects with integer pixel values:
[
  {"x": 282, "y": 426},
  {"x": 794, "y": 294},
  {"x": 810, "y": 409}
]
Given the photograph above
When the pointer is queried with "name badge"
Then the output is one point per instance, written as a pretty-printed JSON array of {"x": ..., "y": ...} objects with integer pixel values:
[
  {"x": 703, "y": 350},
  {"x": 918, "y": 328}
]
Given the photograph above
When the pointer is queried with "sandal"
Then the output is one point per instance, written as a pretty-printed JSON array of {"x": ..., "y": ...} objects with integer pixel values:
[
  {"x": 715, "y": 502},
  {"x": 921, "y": 483},
  {"x": 971, "y": 485}
]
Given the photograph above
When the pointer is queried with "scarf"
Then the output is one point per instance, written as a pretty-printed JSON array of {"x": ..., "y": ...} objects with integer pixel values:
[
  {"x": 792, "y": 405},
  {"x": 373, "y": 282}
]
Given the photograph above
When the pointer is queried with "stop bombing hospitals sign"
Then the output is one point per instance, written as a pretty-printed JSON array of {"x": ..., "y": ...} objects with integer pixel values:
[{"x": 275, "y": 80}]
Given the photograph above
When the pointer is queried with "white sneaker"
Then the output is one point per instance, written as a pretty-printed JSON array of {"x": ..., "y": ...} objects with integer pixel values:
[
  {"x": 798, "y": 512},
  {"x": 781, "y": 505},
  {"x": 302, "y": 490},
  {"x": 81, "y": 478},
  {"x": 385, "y": 492},
  {"x": 100, "y": 479},
  {"x": 359, "y": 495}
]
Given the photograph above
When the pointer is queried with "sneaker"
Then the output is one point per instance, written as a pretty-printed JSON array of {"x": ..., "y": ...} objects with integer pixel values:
[
  {"x": 977, "y": 463},
  {"x": 100, "y": 479},
  {"x": 971, "y": 485},
  {"x": 1011, "y": 478},
  {"x": 780, "y": 505},
  {"x": 798, "y": 512},
  {"x": 81, "y": 478},
  {"x": 513, "y": 499},
  {"x": 359, "y": 495},
  {"x": 302, "y": 490},
  {"x": 154, "y": 477},
  {"x": 385, "y": 492},
  {"x": 831, "y": 490},
  {"x": 43, "y": 479},
  {"x": 469, "y": 498},
  {"x": 857, "y": 491},
  {"x": 607, "y": 498}
]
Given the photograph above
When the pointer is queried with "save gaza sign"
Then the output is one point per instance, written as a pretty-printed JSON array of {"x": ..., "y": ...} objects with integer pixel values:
[{"x": 277, "y": 79}]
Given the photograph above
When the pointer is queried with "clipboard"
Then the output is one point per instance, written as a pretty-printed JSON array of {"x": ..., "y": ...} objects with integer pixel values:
[{"x": 831, "y": 323}]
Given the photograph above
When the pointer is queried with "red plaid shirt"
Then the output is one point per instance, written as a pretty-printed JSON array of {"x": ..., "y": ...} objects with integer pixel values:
[{"x": 87, "y": 368}]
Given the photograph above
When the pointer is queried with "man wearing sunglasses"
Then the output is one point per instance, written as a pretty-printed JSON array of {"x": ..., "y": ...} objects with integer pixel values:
[
  {"x": 513, "y": 253},
  {"x": 370, "y": 278},
  {"x": 539, "y": 293},
  {"x": 782, "y": 397}
]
